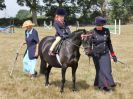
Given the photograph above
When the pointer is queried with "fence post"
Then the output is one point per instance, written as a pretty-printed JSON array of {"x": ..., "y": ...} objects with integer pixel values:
[
  {"x": 77, "y": 27},
  {"x": 115, "y": 26},
  {"x": 119, "y": 26}
]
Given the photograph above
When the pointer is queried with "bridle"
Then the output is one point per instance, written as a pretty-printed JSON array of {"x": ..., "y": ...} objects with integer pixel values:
[{"x": 83, "y": 37}]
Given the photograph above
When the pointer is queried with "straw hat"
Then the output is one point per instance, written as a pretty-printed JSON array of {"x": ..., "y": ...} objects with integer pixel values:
[{"x": 28, "y": 23}]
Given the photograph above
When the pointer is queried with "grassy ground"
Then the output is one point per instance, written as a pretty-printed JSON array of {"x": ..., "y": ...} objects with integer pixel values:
[{"x": 21, "y": 87}]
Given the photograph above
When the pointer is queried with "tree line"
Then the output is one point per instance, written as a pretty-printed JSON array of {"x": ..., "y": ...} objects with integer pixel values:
[{"x": 82, "y": 10}]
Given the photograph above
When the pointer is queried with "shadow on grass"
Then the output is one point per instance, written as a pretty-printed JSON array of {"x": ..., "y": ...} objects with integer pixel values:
[{"x": 80, "y": 85}]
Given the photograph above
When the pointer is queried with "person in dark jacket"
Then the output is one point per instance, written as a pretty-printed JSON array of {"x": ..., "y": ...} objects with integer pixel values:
[
  {"x": 102, "y": 49},
  {"x": 62, "y": 29},
  {"x": 31, "y": 53}
]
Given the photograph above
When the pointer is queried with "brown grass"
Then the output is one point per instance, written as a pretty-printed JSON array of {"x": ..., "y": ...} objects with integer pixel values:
[{"x": 21, "y": 87}]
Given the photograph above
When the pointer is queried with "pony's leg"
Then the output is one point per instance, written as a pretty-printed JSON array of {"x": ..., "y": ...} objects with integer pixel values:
[
  {"x": 47, "y": 75},
  {"x": 45, "y": 71},
  {"x": 63, "y": 71},
  {"x": 43, "y": 66},
  {"x": 74, "y": 68}
]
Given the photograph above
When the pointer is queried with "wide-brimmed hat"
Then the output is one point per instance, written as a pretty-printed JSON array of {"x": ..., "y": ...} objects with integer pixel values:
[
  {"x": 28, "y": 23},
  {"x": 100, "y": 21},
  {"x": 60, "y": 11}
]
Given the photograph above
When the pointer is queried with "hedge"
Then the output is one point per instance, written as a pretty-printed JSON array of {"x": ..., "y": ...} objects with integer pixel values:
[{"x": 17, "y": 22}]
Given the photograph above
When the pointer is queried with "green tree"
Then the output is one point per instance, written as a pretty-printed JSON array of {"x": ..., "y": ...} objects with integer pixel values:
[
  {"x": 2, "y": 4},
  {"x": 33, "y": 5},
  {"x": 119, "y": 11},
  {"x": 23, "y": 14},
  {"x": 86, "y": 8},
  {"x": 51, "y": 6},
  {"x": 102, "y": 5},
  {"x": 60, "y": 2},
  {"x": 85, "y": 5},
  {"x": 128, "y": 4}
]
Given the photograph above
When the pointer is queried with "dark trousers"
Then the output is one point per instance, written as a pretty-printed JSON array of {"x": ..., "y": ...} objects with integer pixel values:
[{"x": 103, "y": 71}]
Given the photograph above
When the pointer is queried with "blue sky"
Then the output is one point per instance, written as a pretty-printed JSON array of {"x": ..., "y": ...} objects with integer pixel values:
[{"x": 11, "y": 9}]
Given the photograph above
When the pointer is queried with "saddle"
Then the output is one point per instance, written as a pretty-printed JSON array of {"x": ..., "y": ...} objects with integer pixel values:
[{"x": 58, "y": 47}]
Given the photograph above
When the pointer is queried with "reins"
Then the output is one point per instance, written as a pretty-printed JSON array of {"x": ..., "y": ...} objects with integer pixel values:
[
  {"x": 82, "y": 37},
  {"x": 75, "y": 44},
  {"x": 79, "y": 47}
]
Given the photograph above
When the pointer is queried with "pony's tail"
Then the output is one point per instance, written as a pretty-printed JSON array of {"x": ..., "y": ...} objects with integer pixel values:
[{"x": 40, "y": 54}]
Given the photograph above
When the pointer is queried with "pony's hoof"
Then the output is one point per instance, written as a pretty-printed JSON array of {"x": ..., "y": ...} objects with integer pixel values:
[
  {"x": 47, "y": 85},
  {"x": 61, "y": 91},
  {"x": 75, "y": 90},
  {"x": 61, "y": 94}
]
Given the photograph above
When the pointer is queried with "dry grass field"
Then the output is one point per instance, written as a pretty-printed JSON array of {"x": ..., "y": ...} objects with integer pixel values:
[{"x": 21, "y": 87}]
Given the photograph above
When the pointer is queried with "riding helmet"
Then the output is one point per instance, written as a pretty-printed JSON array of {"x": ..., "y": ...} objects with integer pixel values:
[
  {"x": 100, "y": 20},
  {"x": 61, "y": 11}
]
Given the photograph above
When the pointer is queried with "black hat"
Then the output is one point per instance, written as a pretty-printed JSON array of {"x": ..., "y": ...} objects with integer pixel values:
[
  {"x": 61, "y": 11},
  {"x": 100, "y": 20}
]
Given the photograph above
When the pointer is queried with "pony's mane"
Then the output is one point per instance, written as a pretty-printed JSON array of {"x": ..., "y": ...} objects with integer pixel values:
[{"x": 77, "y": 31}]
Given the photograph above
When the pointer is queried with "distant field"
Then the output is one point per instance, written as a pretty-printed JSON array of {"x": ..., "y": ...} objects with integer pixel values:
[{"x": 23, "y": 88}]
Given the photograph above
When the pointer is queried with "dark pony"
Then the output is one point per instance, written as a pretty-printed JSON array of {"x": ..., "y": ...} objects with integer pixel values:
[
  {"x": 69, "y": 56},
  {"x": 87, "y": 43}
]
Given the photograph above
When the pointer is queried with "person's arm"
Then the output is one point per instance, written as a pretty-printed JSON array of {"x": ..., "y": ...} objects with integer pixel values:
[
  {"x": 36, "y": 53},
  {"x": 36, "y": 39},
  {"x": 58, "y": 29},
  {"x": 68, "y": 30},
  {"x": 22, "y": 44},
  {"x": 109, "y": 42}
]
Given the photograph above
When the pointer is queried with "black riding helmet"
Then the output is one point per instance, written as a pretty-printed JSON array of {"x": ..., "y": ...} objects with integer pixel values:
[
  {"x": 100, "y": 21},
  {"x": 61, "y": 11}
]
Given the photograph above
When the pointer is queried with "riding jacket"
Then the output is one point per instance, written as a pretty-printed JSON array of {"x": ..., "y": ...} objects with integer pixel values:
[
  {"x": 101, "y": 42},
  {"x": 61, "y": 29},
  {"x": 31, "y": 40}
]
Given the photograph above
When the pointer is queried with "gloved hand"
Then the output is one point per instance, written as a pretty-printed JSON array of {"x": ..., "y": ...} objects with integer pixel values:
[
  {"x": 114, "y": 57},
  {"x": 65, "y": 36}
]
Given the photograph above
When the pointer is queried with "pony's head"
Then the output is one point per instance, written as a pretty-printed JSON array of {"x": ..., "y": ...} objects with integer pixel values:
[
  {"x": 86, "y": 42},
  {"x": 84, "y": 37}
]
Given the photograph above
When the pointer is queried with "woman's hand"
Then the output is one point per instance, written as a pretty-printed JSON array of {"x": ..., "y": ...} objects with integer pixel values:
[
  {"x": 114, "y": 57},
  {"x": 36, "y": 52},
  {"x": 21, "y": 45}
]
